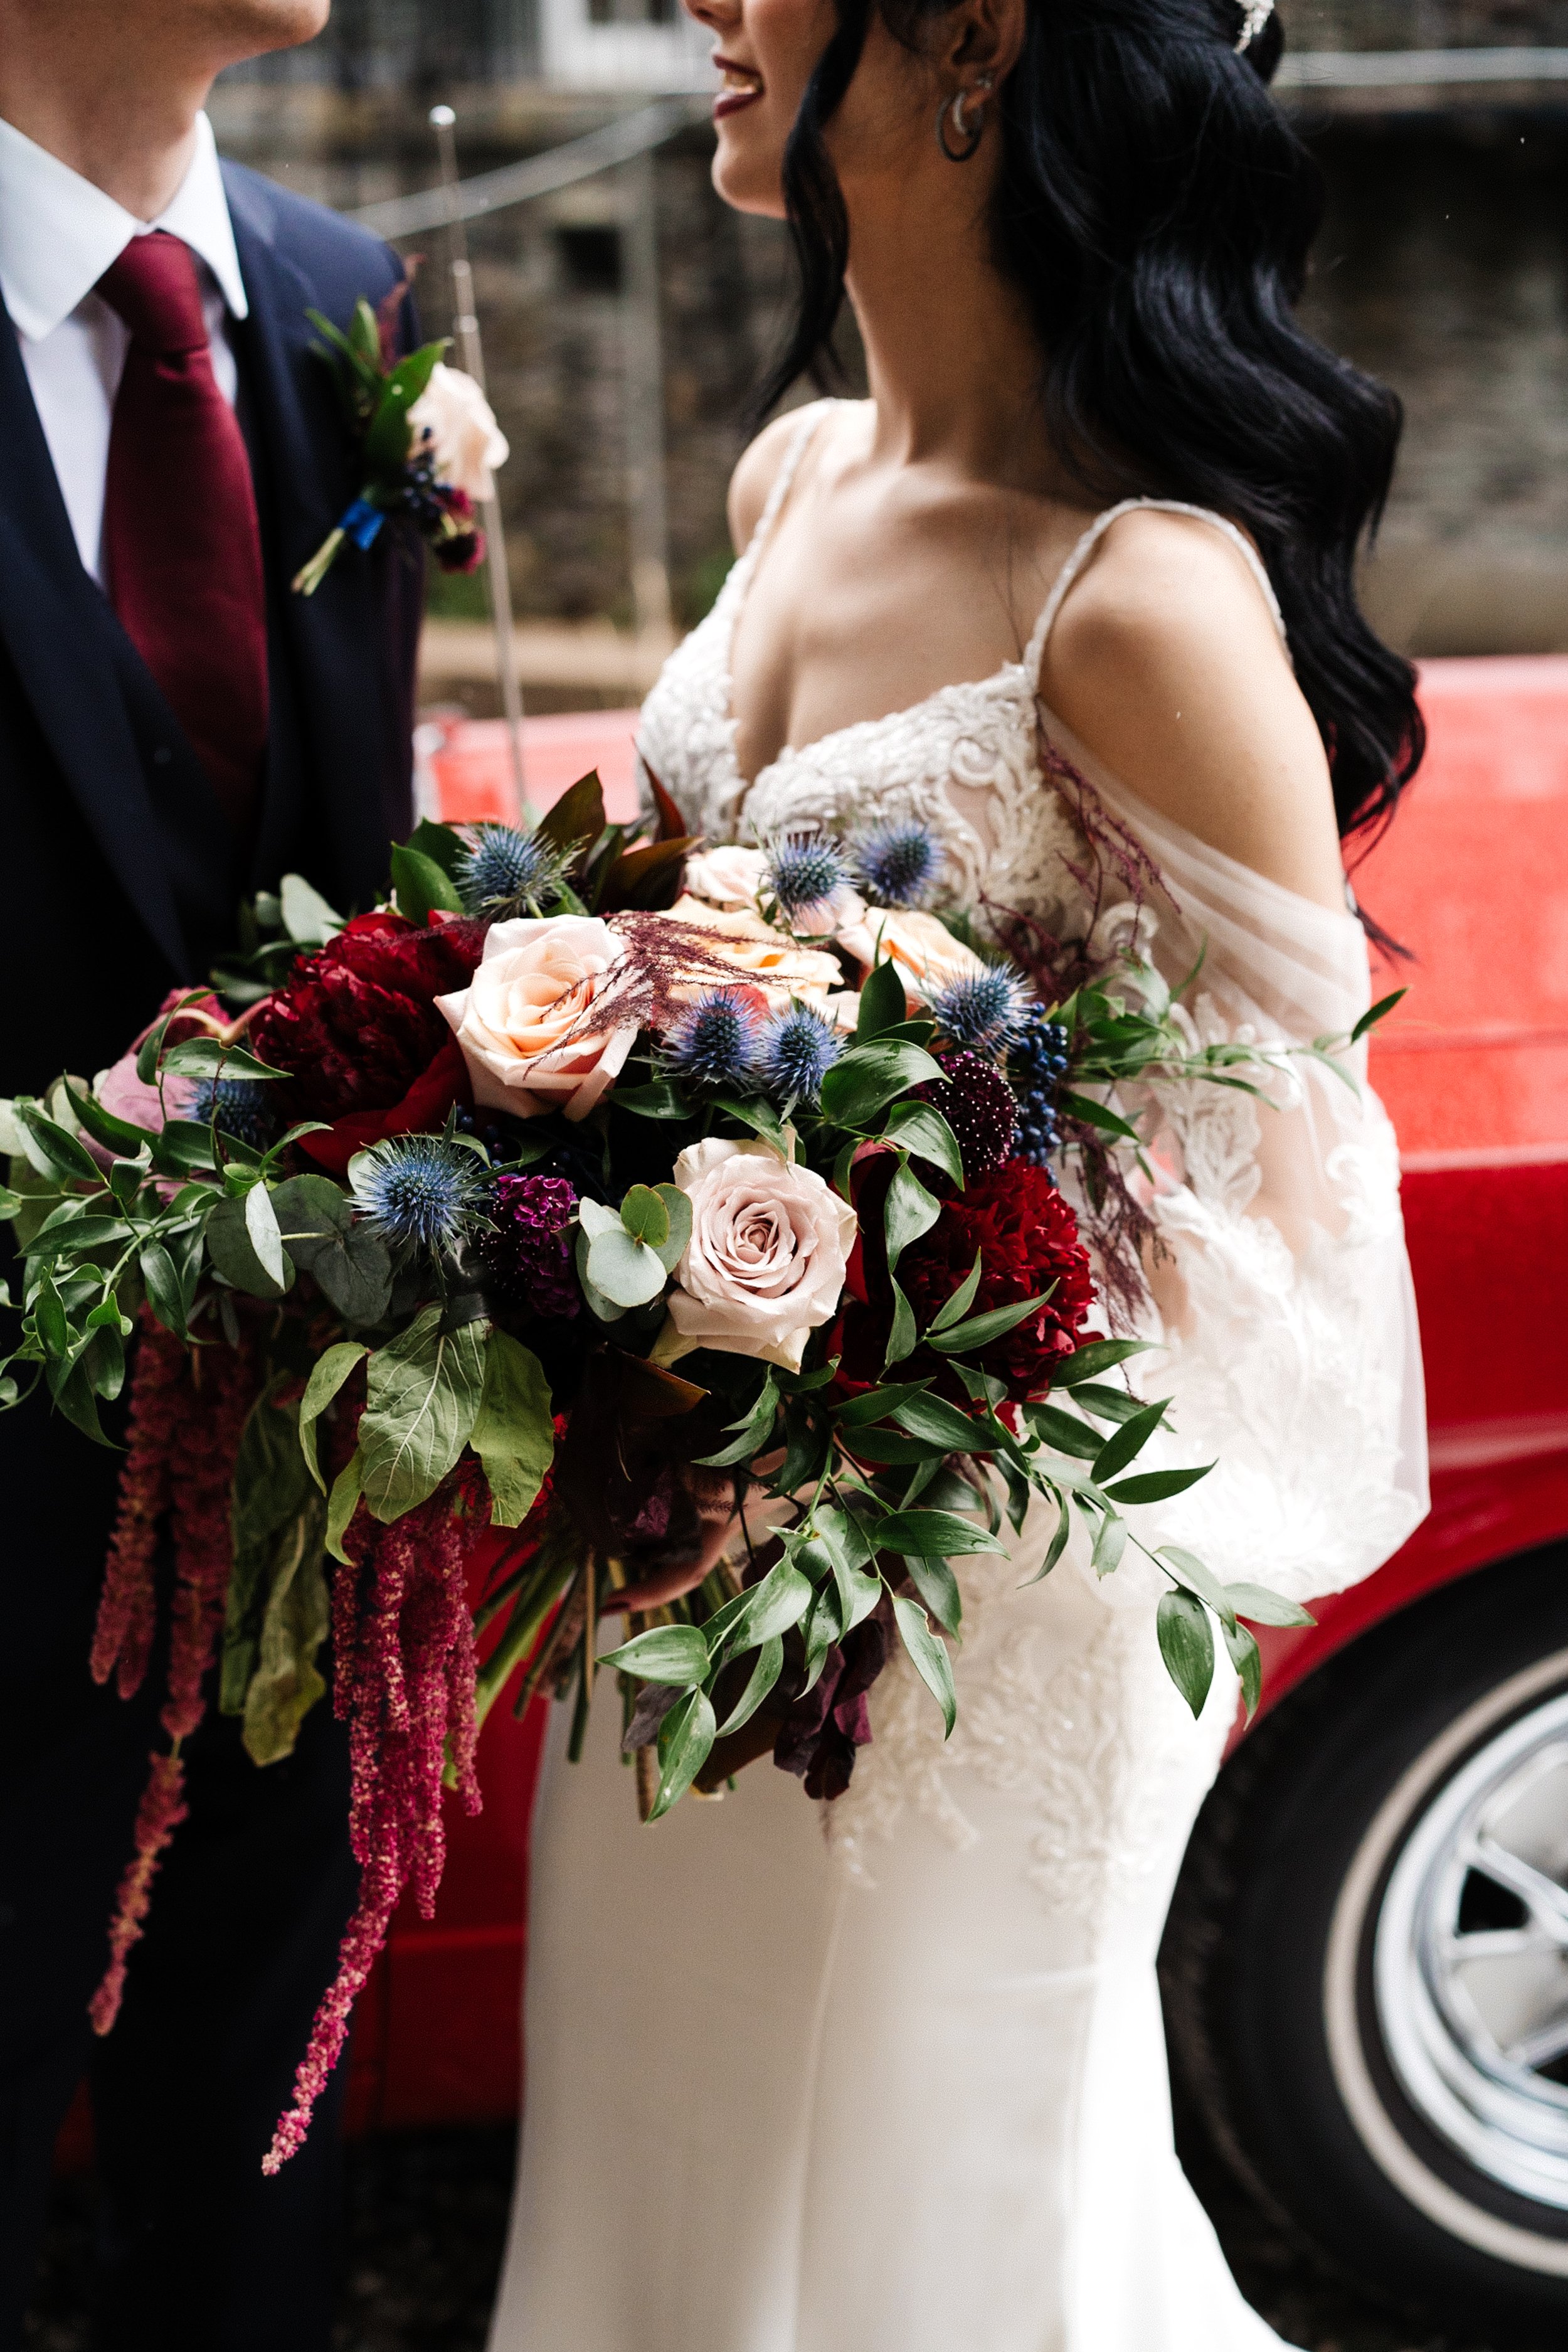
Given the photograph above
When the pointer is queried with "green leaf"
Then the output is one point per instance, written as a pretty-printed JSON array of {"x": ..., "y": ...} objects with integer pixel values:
[
  {"x": 1127, "y": 1443},
  {"x": 577, "y": 816},
  {"x": 875, "y": 1404},
  {"x": 165, "y": 1294},
  {"x": 184, "y": 1147},
  {"x": 208, "y": 1057},
  {"x": 645, "y": 1216},
  {"x": 930, "y": 1535},
  {"x": 772, "y": 1607},
  {"x": 420, "y": 884},
  {"x": 1107, "y": 1404},
  {"x": 1191, "y": 1572},
  {"x": 626, "y": 1272},
  {"x": 307, "y": 918},
  {"x": 74, "y": 1397},
  {"x": 53, "y": 1150},
  {"x": 954, "y": 1310},
  {"x": 979, "y": 1330},
  {"x": 938, "y": 1588},
  {"x": 685, "y": 1740},
  {"x": 754, "y": 1429},
  {"x": 889, "y": 1445},
  {"x": 114, "y": 1134},
  {"x": 908, "y": 1212},
  {"x": 942, "y": 1424},
  {"x": 901, "y": 1334},
  {"x": 277, "y": 1521},
  {"x": 822, "y": 1627},
  {"x": 1156, "y": 1485},
  {"x": 758, "y": 1116},
  {"x": 764, "y": 1675},
  {"x": 232, "y": 1251},
  {"x": 442, "y": 844},
  {"x": 866, "y": 1078},
  {"x": 514, "y": 1429},
  {"x": 1374, "y": 1014},
  {"x": 920, "y": 1127},
  {"x": 388, "y": 442},
  {"x": 1061, "y": 1431},
  {"x": 1057, "y": 1545},
  {"x": 1248, "y": 1661},
  {"x": 929, "y": 1657},
  {"x": 883, "y": 1001},
  {"x": 340, "y": 1504},
  {"x": 1110, "y": 1543},
  {"x": 657, "y": 1100},
  {"x": 326, "y": 1378},
  {"x": 1095, "y": 1114},
  {"x": 604, "y": 1308},
  {"x": 676, "y": 1654},
  {"x": 858, "y": 1593},
  {"x": 1186, "y": 1646},
  {"x": 322, "y": 1238},
  {"x": 261, "y": 1226},
  {"x": 423, "y": 1392},
  {"x": 1266, "y": 1608}
]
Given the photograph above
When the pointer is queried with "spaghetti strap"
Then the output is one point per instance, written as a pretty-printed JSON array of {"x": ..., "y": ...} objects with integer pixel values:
[
  {"x": 1035, "y": 652},
  {"x": 799, "y": 441}
]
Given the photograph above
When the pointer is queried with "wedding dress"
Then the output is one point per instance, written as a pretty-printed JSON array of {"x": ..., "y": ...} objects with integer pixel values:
[{"x": 889, "y": 2075}]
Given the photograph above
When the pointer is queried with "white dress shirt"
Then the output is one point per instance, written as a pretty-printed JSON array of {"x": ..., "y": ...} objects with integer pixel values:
[{"x": 59, "y": 234}]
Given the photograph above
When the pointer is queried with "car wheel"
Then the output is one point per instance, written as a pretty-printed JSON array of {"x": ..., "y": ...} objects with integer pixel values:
[{"x": 1366, "y": 1962}]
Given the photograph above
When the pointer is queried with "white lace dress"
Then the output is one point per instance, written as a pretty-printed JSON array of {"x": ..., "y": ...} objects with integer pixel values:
[{"x": 889, "y": 2075}]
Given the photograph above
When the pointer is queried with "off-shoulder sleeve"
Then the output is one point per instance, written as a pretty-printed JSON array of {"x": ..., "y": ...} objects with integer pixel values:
[{"x": 1284, "y": 1300}]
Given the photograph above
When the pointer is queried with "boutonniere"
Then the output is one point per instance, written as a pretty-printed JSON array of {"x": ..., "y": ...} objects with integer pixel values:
[{"x": 428, "y": 443}]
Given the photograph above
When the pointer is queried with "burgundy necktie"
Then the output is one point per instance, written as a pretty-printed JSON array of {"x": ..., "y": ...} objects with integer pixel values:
[{"x": 181, "y": 541}]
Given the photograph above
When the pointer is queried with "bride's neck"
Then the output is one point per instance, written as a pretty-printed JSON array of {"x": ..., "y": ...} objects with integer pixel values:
[{"x": 952, "y": 361}]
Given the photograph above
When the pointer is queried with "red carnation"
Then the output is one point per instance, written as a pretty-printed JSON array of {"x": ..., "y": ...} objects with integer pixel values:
[
  {"x": 1028, "y": 1240},
  {"x": 358, "y": 1030}
]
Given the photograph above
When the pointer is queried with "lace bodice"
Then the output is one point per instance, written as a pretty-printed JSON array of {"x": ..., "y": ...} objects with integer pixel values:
[{"x": 1285, "y": 1315}]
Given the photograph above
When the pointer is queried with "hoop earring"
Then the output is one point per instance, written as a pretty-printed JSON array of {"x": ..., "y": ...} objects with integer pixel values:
[{"x": 968, "y": 135}]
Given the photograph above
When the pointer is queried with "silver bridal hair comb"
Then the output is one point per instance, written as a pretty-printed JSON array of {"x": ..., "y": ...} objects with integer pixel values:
[{"x": 1255, "y": 15}]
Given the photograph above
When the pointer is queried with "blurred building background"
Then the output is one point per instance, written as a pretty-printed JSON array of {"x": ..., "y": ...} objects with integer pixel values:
[{"x": 1443, "y": 268}]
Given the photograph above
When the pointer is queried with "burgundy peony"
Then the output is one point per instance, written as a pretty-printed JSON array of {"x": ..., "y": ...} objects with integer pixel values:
[
  {"x": 1028, "y": 1239},
  {"x": 357, "y": 1029}
]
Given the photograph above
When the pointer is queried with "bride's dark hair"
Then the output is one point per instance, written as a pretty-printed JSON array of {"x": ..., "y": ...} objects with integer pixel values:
[{"x": 1158, "y": 209}]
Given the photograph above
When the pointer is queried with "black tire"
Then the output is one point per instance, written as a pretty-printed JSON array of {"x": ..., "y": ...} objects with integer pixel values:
[{"x": 1322, "y": 2018}]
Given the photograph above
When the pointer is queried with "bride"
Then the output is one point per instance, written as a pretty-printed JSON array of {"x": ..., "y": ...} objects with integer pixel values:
[{"x": 887, "y": 2074}]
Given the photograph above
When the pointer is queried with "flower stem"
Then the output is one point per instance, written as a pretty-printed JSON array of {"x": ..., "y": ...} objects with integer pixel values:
[{"x": 309, "y": 576}]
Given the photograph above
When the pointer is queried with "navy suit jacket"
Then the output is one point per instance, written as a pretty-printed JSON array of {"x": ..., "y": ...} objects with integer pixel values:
[{"x": 119, "y": 875}]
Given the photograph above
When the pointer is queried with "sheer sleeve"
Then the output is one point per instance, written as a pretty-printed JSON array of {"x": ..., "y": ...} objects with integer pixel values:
[{"x": 1281, "y": 1290}]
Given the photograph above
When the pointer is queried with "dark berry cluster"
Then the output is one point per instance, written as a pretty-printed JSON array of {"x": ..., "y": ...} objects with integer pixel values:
[{"x": 1036, "y": 1065}]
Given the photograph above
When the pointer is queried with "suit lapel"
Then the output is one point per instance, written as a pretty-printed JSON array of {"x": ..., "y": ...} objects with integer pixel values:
[
  {"x": 336, "y": 641},
  {"x": 60, "y": 635}
]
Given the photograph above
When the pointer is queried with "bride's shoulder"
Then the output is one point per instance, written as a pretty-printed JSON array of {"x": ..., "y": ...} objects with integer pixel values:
[
  {"x": 762, "y": 461},
  {"x": 1166, "y": 661}
]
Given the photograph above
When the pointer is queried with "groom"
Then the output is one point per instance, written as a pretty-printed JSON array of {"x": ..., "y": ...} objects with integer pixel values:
[{"x": 177, "y": 729}]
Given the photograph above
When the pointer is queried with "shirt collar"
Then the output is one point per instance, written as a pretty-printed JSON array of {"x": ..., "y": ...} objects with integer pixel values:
[{"x": 59, "y": 234}]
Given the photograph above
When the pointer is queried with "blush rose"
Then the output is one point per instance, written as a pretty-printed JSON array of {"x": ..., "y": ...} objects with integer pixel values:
[
  {"x": 766, "y": 1263},
  {"x": 466, "y": 442},
  {"x": 523, "y": 1024}
]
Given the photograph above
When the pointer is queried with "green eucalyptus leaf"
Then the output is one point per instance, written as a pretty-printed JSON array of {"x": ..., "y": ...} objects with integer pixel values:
[
  {"x": 678, "y": 1209},
  {"x": 324, "y": 1239},
  {"x": 626, "y": 1272},
  {"x": 928, "y": 1656},
  {"x": 646, "y": 1217}
]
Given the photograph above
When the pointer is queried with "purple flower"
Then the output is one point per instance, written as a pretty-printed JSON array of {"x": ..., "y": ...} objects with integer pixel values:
[{"x": 527, "y": 1251}]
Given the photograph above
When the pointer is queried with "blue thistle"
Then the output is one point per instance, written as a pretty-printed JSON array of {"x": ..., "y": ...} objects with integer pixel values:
[
  {"x": 983, "y": 1011},
  {"x": 795, "y": 1054},
  {"x": 804, "y": 870},
  {"x": 1036, "y": 1065},
  {"x": 419, "y": 1190},
  {"x": 714, "y": 1042},
  {"x": 504, "y": 872},
  {"x": 897, "y": 864},
  {"x": 239, "y": 1107}
]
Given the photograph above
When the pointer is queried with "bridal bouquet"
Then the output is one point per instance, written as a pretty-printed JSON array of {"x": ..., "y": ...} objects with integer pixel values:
[{"x": 463, "y": 1260}]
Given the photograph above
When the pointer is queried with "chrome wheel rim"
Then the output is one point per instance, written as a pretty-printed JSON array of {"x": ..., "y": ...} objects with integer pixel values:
[{"x": 1471, "y": 1959}]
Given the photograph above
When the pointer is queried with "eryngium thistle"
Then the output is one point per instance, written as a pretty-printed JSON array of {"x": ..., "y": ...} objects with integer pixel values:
[
  {"x": 983, "y": 1011},
  {"x": 417, "y": 1190},
  {"x": 239, "y": 1107},
  {"x": 804, "y": 870},
  {"x": 505, "y": 872},
  {"x": 528, "y": 1250},
  {"x": 795, "y": 1053},
  {"x": 977, "y": 1102},
  {"x": 1036, "y": 1065},
  {"x": 897, "y": 864},
  {"x": 714, "y": 1042}
]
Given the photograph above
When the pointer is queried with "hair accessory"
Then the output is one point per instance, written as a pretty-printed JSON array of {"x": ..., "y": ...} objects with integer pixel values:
[
  {"x": 1255, "y": 15},
  {"x": 967, "y": 134}
]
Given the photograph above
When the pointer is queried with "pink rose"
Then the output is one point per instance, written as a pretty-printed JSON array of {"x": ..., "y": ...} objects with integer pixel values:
[
  {"x": 523, "y": 1023},
  {"x": 770, "y": 959},
  {"x": 927, "y": 953},
  {"x": 766, "y": 1263},
  {"x": 727, "y": 877}
]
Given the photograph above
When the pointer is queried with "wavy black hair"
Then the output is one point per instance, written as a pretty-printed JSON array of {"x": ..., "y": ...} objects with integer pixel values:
[{"x": 1156, "y": 209}]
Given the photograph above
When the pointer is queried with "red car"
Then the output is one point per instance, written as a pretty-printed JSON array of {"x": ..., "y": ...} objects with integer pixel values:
[{"x": 1367, "y": 1959}]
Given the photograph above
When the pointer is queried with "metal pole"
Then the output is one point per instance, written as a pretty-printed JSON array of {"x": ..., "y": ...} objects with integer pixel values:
[
  {"x": 643, "y": 399},
  {"x": 465, "y": 328}
]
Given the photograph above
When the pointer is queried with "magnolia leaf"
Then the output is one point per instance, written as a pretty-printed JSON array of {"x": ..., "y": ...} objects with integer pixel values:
[
  {"x": 686, "y": 1739},
  {"x": 423, "y": 1394},
  {"x": 1186, "y": 1646},
  {"x": 514, "y": 1429},
  {"x": 328, "y": 1377},
  {"x": 666, "y": 1654},
  {"x": 929, "y": 1657}
]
